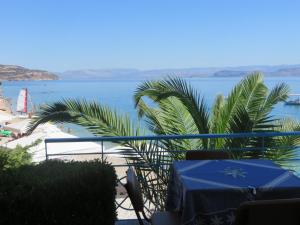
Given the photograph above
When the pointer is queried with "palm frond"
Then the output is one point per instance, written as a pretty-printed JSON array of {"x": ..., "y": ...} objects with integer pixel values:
[
  {"x": 228, "y": 110},
  {"x": 278, "y": 94},
  {"x": 158, "y": 91},
  {"x": 285, "y": 148},
  {"x": 216, "y": 112},
  {"x": 177, "y": 120},
  {"x": 254, "y": 92},
  {"x": 98, "y": 119}
]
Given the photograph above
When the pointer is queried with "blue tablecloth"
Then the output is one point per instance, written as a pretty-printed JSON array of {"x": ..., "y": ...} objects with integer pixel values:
[{"x": 209, "y": 191}]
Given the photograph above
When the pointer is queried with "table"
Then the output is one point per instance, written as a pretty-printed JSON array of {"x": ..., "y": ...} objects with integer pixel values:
[{"x": 209, "y": 191}]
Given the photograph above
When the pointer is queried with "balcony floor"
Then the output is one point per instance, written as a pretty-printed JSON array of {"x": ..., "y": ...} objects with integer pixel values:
[{"x": 127, "y": 222}]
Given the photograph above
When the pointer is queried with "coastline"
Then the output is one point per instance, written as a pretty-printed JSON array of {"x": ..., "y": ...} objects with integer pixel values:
[{"x": 49, "y": 130}]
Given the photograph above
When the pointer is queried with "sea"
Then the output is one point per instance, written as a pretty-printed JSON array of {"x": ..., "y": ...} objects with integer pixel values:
[{"x": 118, "y": 94}]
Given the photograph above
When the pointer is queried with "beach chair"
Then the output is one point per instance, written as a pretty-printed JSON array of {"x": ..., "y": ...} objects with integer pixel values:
[
  {"x": 269, "y": 212},
  {"x": 135, "y": 194},
  {"x": 206, "y": 155}
]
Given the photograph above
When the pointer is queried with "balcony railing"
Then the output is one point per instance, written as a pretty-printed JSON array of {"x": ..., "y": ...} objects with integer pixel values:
[
  {"x": 160, "y": 155},
  {"x": 262, "y": 136}
]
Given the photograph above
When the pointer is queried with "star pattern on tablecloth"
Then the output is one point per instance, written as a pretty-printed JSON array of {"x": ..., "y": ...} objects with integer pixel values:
[
  {"x": 235, "y": 173},
  {"x": 216, "y": 220},
  {"x": 230, "y": 218},
  {"x": 200, "y": 221}
]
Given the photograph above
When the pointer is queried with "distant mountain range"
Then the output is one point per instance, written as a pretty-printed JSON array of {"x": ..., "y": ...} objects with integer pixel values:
[
  {"x": 133, "y": 74},
  {"x": 10, "y": 72}
]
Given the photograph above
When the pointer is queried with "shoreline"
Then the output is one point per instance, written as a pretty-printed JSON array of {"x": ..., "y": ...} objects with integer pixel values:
[{"x": 49, "y": 130}]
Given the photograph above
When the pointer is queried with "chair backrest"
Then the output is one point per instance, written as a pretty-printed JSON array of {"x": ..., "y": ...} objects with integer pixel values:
[
  {"x": 269, "y": 212},
  {"x": 134, "y": 191},
  {"x": 206, "y": 155}
]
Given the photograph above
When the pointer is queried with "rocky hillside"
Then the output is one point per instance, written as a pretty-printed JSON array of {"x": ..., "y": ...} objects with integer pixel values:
[
  {"x": 288, "y": 72},
  {"x": 8, "y": 72}
]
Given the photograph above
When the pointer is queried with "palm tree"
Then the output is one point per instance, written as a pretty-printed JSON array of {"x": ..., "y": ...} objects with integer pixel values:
[{"x": 178, "y": 108}]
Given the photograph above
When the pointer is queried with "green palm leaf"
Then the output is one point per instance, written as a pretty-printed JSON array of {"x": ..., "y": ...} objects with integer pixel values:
[{"x": 158, "y": 91}]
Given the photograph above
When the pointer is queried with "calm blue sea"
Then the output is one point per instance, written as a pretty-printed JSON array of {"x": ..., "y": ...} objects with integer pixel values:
[{"x": 119, "y": 94}]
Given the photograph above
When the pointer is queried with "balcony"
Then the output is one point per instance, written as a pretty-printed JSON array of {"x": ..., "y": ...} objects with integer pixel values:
[{"x": 153, "y": 154}]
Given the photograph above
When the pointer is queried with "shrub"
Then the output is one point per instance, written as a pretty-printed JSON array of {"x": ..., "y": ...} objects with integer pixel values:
[
  {"x": 16, "y": 157},
  {"x": 56, "y": 192},
  {"x": 13, "y": 158}
]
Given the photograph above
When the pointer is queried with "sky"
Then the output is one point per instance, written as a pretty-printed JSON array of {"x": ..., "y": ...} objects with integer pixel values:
[{"x": 59, "y": 35}]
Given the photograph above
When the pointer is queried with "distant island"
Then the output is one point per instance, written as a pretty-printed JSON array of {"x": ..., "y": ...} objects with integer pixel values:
[
  {"x": 11, "y": 73},
  {"x": 135, "y": 74}
]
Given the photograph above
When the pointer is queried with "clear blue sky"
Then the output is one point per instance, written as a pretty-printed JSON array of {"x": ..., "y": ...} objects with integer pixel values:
[{"x": 61, "y": 35}]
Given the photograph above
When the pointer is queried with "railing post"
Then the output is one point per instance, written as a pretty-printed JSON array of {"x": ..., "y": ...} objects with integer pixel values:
[
  {"x": 46, "y": 152},
  {"x": 158, "y": 154},
  {"x": 263, "y": 146},
  {"x": 102, "y": 156}
]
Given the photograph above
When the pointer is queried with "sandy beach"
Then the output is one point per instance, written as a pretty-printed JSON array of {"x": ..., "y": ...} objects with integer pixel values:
[{"x": 48, "y": 130}]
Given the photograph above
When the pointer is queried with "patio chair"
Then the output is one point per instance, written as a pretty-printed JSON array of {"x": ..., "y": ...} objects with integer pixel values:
[
  {"x": 135, "y": 194},
  {"x": 206, "y": 155},
  {"x": 269, "y": 212}
]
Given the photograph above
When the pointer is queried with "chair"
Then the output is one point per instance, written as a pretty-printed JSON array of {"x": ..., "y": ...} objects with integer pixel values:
[
  {"x": 135, "y": 194},
  {"x": 269, "y": 212},
  {"x": 206, "y": 155}
]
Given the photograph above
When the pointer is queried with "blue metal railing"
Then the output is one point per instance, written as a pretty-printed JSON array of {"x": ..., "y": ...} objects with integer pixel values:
[
  {"x": 158, "y": 138},
  {"x": 172, "y": 137}
]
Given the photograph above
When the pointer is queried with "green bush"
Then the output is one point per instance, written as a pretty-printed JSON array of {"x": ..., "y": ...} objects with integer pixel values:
[
  {"x": 56, "y": 192},
  {"x": 13, "y": 158},
  {"x": 16, "y": 157}
]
